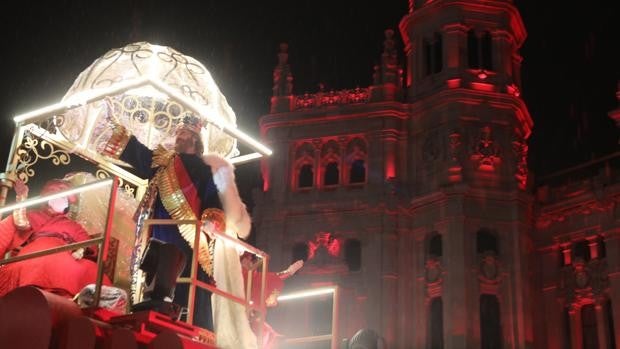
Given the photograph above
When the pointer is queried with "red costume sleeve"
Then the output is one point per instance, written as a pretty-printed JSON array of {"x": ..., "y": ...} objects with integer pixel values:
[
  {"x": 273, "y": 286},
  {"x": 7, "y": 232},
  {"x": 43, "y": 222}
]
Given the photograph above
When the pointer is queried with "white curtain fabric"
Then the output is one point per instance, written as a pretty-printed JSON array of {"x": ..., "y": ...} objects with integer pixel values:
[{"x": 232, "y": 326}]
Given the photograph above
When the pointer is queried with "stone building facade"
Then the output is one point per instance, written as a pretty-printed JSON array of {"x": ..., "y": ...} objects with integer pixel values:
[{"x": 413, "y": 196}]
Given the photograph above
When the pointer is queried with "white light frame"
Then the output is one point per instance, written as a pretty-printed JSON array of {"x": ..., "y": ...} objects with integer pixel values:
[
  {"x": 71, "y": 103},
  {"x": 334, "y": 336},
  {"x": 61, "y": 194},
  {"x": 307, "y": 293}
]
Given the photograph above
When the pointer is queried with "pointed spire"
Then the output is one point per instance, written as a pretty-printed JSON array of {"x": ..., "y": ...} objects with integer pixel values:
[
  {"x": 282, "y": 76},
  {"x": 389, "y": 71},
  {"x": 388, "y": 76}
]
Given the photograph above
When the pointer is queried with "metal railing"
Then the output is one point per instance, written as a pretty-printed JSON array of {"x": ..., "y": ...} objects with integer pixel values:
[
  {"x": 102, "y": 242},
  {"x": 194, "y": 283},
  {"x": 334, "y": 335}
]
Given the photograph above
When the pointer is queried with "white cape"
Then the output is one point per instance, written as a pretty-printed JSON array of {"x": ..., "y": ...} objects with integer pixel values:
[{"x": 232, "y": 327}]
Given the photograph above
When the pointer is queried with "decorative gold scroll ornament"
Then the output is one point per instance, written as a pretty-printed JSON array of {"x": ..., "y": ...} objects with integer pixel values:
[{"x": 32, "y": 150}]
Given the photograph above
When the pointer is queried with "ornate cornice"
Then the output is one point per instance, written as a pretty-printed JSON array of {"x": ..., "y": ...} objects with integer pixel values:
[{"x": 545, "y": 219}]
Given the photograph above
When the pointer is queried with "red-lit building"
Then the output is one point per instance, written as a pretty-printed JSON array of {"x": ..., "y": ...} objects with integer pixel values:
[{"x": 413, "y": 196}]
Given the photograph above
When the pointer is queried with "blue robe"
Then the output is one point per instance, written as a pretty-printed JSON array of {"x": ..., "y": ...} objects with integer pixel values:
[{"x": 140, "y": 157}]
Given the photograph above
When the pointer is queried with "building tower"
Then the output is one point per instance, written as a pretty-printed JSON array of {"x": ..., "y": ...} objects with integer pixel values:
[
  {"x": 410, "y": 195},
  {"x": 467, "y": 172}
]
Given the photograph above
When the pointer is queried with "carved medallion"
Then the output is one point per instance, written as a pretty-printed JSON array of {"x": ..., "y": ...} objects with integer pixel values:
[{"x": 433, "y": 270}]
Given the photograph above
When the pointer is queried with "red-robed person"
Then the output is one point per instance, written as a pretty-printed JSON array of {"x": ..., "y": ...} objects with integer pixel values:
[
  {"x": 274, "y": 283},
  {"x": 27, "y": 231}
]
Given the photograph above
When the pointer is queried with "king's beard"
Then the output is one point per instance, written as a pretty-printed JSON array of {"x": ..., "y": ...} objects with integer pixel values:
[{"x": 183, "y": 146}]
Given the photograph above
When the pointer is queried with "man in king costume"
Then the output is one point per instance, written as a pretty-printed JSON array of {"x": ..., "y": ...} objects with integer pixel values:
[{"x": 182, "y": 184}]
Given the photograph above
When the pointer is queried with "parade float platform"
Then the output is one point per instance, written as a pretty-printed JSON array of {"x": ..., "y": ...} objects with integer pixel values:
[{"x": 35, "y": 319}]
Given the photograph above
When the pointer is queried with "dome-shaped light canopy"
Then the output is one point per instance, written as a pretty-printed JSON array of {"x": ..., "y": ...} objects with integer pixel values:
[{"x": 151, "y": 115}]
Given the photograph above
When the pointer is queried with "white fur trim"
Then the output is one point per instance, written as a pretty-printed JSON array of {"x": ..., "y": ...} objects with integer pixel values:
[{"x": 237, "y": 217}]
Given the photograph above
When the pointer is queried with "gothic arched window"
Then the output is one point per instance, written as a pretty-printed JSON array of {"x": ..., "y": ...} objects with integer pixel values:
[
  {"x": 434, "y": 245},
  {"x": 332, "y": 174},
  {"x": 588, "y": 327},
  {"x": 437, "y": 54},
  {"x": 486, "y": 51},
  {"x": 433, "y": 54},
  {"x": 611, "y": 338},
  {"x": 306, "y": 176},
  {"x": 300, "y": 251},
  {"x": 353, "y": 254},
  {"x": 358, "y": 172},
  {"x": 472, "y": 50},
  {"x": 490, "y": 322},
  {"x": 330, "y": 158},
  {"x": 479, "y": 50},
  {"x": 486, "y": 241},
  {"x": 436, "y": 324},
  {"x": 356, "y": 165},
  {"x": 304, "y": 170},
  {"x": 581, "y": 250},
  {"x": 428, "y": 56},
  {"x": 566, "y": 335}
]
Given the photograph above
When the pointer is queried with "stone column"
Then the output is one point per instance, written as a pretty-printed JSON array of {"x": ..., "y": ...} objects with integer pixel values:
[
  {"x": 566, "y": 254},
  {"x": 343, "y": 171},
  {"x": 612, "y": 247},
  {"x": 389, "y": 280},
  {"x": 593, "y": 245},
  {"x": 389, "y": 139},
  {"x": 318, "y": 170},
  {"x": 576, "y": 336},
  {"x": 601, "y": 323},
  {"x": 502, "y": 48},
  {"x": 553, "y": 318},
  {"x": 279, "y": 166},
  {"x": 455, "y": 38},
  {"x": 456, "y": 284}
]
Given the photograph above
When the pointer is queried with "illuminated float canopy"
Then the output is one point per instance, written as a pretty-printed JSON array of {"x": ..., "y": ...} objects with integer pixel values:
[{"x": 149, "y": 89}]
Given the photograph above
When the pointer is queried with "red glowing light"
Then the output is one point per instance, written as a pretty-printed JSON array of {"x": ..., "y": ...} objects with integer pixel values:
[
  {"x": 390, "y": 167},
  {"x": 482, "y": 86},
  {"x": 324, "y": 240},
  {"x": 513, "y": 90},
  {"x": 453, "y": 83}
]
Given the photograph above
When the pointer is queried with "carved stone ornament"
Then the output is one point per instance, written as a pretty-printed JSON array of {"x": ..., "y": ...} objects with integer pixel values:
[
  {"x": 454, "y": 143},
  {"x": 331, "y": 98},
  {"x": 584, "y": 280},
  {"x": 486, "y": 151},
  {"x": 520, "y": 148},
  {"x": 585, "y": 208},
  {"x": 489, "y": 268},
  {"x": 433, "y": 270},
  {"x": 324, "y": 255}
]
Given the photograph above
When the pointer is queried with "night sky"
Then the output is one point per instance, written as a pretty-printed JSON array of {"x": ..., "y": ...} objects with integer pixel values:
[{"x": 570, "y": 71}]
